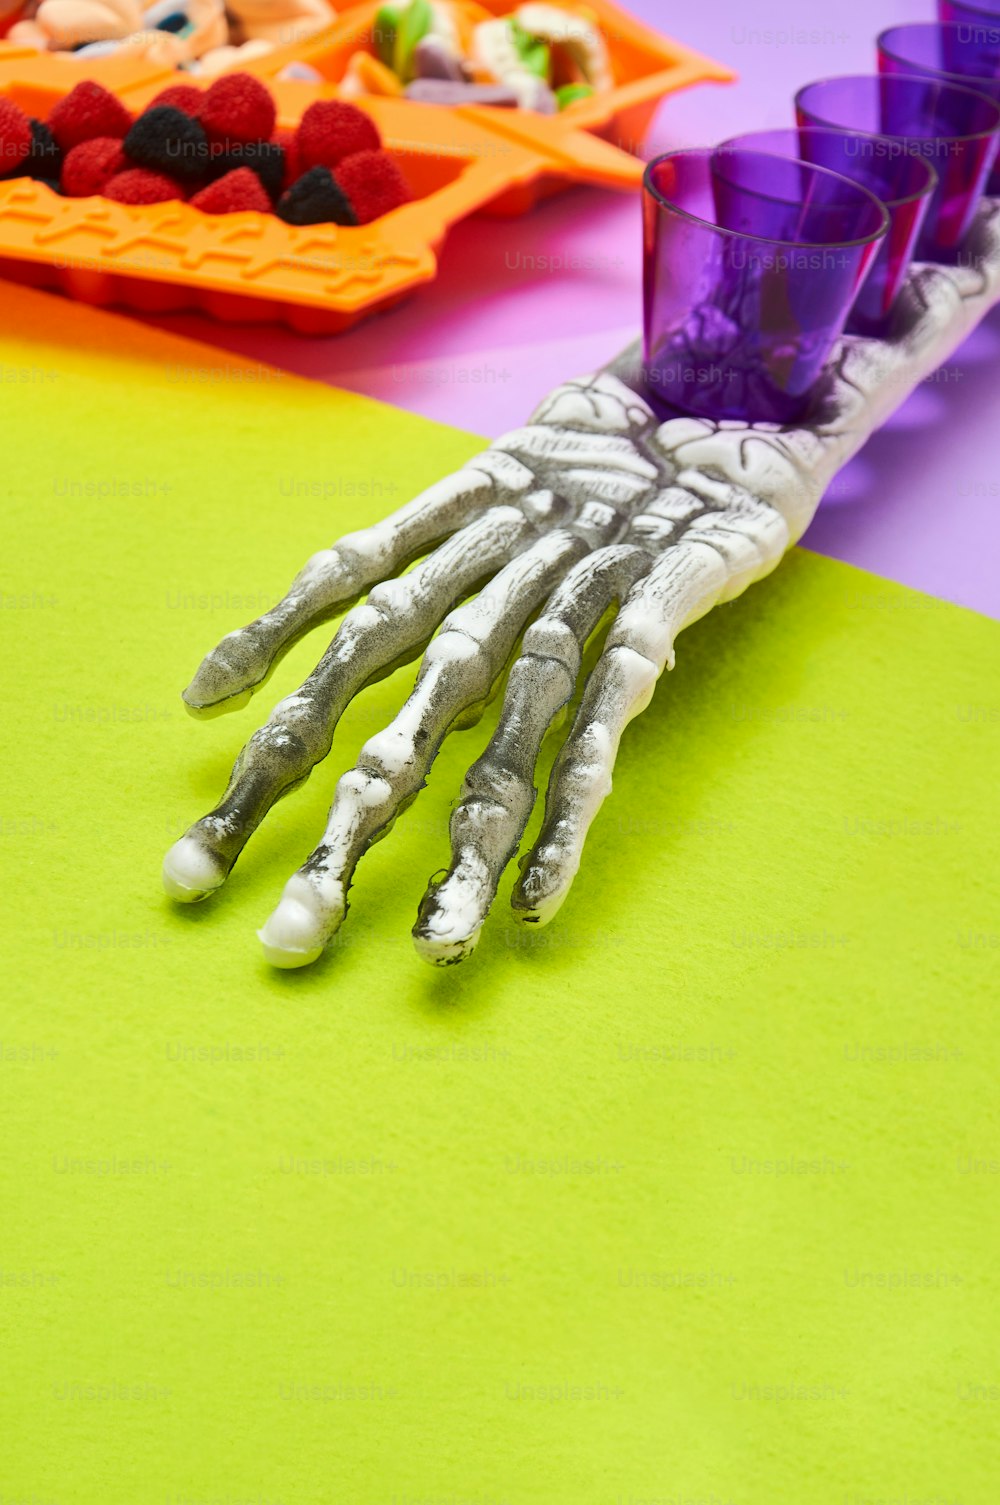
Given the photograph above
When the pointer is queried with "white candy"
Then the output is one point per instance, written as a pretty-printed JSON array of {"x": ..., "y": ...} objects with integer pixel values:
[{"x": 581, "y": 38}]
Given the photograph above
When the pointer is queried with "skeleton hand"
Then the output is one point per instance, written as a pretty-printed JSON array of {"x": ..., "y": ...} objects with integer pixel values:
[{"x": 595, "y": 503}]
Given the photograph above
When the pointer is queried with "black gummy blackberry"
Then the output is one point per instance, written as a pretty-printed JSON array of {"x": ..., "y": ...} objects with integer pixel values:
[
  {"x": 44, "y": 160},
  {"x": 169, "y": 141},
  {"x": 315, "y": 199},
  {"x": 265, "y": 158}
]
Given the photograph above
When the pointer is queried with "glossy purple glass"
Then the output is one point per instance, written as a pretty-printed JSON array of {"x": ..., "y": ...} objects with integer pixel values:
[
  {"x": 980, "y": 23},
  {"x": 903, "y": 183},
  {"x": 752, "y": 263},
  {"x": 930, "y": 50},
  {"x": 954, "y": 128}
]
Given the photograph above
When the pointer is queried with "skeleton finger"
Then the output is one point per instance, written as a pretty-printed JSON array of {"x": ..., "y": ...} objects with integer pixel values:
[
  {"x": 457, "y": 674},
  {"x": 386, "y": 630},
  {"x": 237, "y": 667},
  {"x": 499, "y": 794},
  {"x": 719, "y": 555}
]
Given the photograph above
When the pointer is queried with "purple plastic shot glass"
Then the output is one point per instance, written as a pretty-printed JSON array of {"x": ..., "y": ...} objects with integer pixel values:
[
  {"x": 903, "y": 183},
  {"x": 929, "y": 50},
  {"x": 954, "y": 128},
  {"x": 980, "y": 23},
  {"x": 752, "y": 264}
]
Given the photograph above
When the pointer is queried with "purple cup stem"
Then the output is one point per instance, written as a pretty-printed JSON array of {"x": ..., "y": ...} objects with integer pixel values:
[
  {"x": 752, "y": 263},
  {"x": 955, "y": 128},
  {"x": 903, "y": 183},
  {"x": 927, "y": 49}
]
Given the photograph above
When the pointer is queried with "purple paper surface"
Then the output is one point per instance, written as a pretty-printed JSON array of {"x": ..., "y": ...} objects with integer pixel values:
[{"x": 522, "y": 304}]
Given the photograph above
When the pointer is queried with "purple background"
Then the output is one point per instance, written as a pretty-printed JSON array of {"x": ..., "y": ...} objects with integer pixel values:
[{"x": 522, "y": 304}]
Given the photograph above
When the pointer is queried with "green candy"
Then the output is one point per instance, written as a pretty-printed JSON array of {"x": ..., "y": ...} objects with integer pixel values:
[
  {"x": 414, "y": 24},
  {"x": 570, "y": 93},
  {"x": 534, "y": 53},
  {"x": 386, "y": 30}
]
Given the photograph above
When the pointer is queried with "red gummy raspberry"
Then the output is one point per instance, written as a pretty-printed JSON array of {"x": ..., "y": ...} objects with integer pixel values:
[
  {"x": 237, "y": 107},
  {"x": 88, "y": 110},
  {"x": 332, "y": 129},
  {"x": 373, "y": 184},
  {"x": 87, "y": 168},
  {"x": 233, "y": 194},
  {"x": 15, "y": 138},
  {"x": 184, "y": 97},
  {"x": 140, "y": 185}
]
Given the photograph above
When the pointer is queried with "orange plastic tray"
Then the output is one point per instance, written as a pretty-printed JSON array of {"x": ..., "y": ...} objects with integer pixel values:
[
  {"x": 647, "y": 65},
  {"x": 320, "y": 279}
]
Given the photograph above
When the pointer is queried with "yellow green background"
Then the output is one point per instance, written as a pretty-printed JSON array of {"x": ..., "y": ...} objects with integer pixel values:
[{"x": 691, "y": 1197}]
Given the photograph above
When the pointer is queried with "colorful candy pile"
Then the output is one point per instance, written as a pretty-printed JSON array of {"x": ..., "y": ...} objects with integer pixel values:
[
  {"x": 542, "y": 57},
  {"x": 220, "y": 149},
  {"x": 201, "y": 36}
]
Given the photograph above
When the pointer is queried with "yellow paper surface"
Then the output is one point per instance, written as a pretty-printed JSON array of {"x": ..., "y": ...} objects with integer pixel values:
[{"x": 689, "y": 1197}]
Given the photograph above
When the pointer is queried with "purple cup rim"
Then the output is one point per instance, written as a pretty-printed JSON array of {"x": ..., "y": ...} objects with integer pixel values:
[
  {"x": 768, "y": 240},
  {"x": 825, "y": 130},
  {"x": 942, "y": 73},
  {"x": 905, "y": 78},
  {"x": 978, "y": 10}
]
